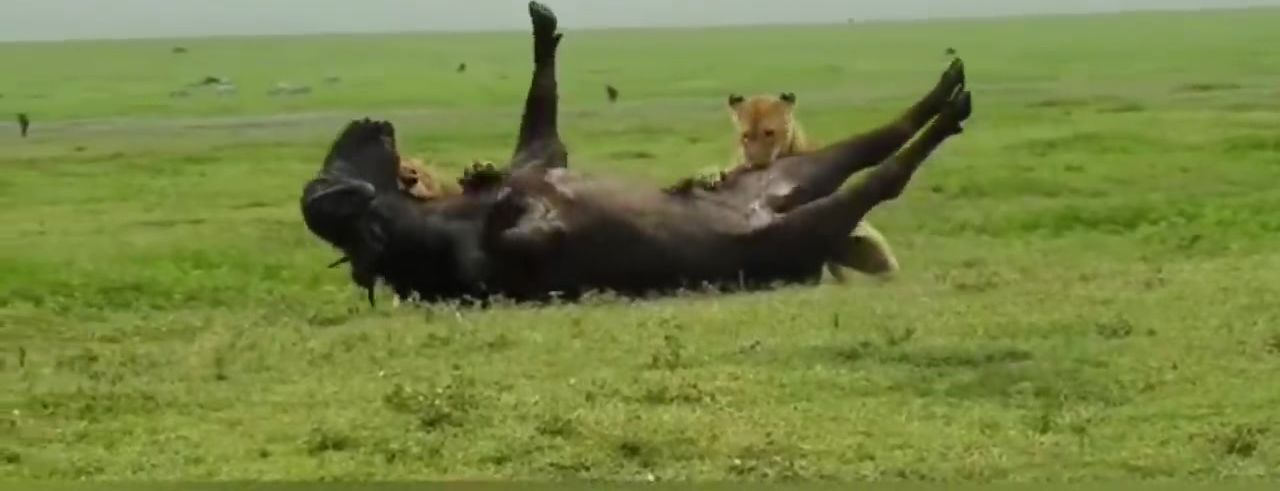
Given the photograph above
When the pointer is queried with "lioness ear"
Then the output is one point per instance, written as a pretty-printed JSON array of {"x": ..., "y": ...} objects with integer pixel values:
[
  {"x": 735, "y": 100},
  {"x": 788, "y": 97}
]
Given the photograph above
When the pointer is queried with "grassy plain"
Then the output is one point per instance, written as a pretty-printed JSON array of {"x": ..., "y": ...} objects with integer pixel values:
[{"x": 1089, "y": 286}]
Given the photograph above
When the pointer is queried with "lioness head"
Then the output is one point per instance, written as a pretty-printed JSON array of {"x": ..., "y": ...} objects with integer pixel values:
[{"x": 766, "y": 126}]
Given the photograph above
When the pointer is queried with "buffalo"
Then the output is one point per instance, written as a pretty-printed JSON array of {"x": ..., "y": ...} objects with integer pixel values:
[{"x": 535, "y": 230}]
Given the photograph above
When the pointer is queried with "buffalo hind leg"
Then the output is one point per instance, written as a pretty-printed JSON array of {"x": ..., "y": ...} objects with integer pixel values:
[
  {"x": 834, "y": 217},
  {"x": 825, "y": 169},
  {"x": 539, "y": 145}
]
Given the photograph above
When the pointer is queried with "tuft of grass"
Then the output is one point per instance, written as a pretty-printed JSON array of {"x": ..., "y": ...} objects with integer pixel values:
[
  {"x": 671, "y": 355},
  {"x": 321, "y": 440},
  {"x": 449, "y": 404},
  {"x": 1241, "y": 441},
  {"x": 1114, "y": 328}
]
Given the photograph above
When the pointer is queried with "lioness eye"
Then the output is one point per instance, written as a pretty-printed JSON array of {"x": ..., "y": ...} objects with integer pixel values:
[{"x": 768, "y": 133}]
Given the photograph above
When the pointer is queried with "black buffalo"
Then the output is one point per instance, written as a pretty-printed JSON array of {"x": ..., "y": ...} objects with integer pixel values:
[{"x": 534, "y": 229}]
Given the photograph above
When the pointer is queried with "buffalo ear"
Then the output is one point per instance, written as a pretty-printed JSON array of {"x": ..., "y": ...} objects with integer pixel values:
[
  {"x": 788, "y": 97},
  {"x": 735, "y": 100}
]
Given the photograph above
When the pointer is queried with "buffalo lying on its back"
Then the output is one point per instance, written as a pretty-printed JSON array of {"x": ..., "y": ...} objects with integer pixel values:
[{"x": 536, "y": 229}]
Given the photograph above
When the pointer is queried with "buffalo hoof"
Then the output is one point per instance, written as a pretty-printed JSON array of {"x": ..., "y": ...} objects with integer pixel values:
[
  {"x": 957, "y": 110},
  {"x": 545, "y": 37},
  {"x": 954, "y": 77},
  {"x": 544, "y": 20}
]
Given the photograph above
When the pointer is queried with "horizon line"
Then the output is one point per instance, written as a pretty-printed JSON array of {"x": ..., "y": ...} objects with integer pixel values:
[{"x": 850, "y": 21}]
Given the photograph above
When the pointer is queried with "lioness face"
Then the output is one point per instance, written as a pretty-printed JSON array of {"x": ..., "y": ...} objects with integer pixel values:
[
  {"x": 765, "y": 126},
  {"x": 416, "y": 181}
]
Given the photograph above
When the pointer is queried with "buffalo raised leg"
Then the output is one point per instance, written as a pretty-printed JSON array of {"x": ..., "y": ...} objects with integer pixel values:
[
  {"x": 833, "y": 217},
  {"x": 539, "y": 145},
  {"x": 521, "y": 225},
  {"x": 826, "y": 169}
]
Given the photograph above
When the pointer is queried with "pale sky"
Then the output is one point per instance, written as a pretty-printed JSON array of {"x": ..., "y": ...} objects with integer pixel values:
[{"x": 80, "y": 19}]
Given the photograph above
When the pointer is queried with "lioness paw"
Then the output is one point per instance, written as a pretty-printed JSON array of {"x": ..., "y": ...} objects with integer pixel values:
[
  {"x": 710, "y": 180},
  {"x": 481, "y": 176}
]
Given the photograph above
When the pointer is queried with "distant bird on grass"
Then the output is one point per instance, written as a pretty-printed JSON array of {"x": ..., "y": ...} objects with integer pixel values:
[
  {"x": 24, "y": 124},
  {"x": 612, "y": 92},
  {"x": 212, "y": 80},
  {"x": 462, "y": 67},
  {"x": 177, "y": 50}
]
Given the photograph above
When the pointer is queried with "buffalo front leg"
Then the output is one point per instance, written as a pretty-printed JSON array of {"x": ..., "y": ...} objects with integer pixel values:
[
  {"x": 823, "y": 171},
  {"x": 833, "y": 217},
  {"x": 539, "y": 145}
]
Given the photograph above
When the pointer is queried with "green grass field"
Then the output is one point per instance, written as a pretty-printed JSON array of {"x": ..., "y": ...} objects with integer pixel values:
[{"x": 1089, "y": 285}]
